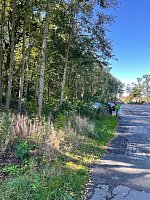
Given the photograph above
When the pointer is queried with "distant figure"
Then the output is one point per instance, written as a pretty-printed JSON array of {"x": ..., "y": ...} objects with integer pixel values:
[
  {"x": 111, "y": 107},
  {"x": 118, "y": 107}
]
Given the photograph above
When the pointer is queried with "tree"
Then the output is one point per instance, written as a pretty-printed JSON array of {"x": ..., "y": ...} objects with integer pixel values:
[
  {"x": 42, "y": 67},
  {"x": 8, "y": 97},
  {"x": 23, "y": 58},
  {"x": 3, "y": 6},
  {"x": 45, "y": 68}
]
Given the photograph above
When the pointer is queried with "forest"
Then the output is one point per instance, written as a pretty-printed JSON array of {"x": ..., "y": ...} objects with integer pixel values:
[{"x": 54, "y": 51}]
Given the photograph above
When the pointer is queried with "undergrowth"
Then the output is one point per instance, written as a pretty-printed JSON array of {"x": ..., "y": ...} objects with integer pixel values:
[{"x": 56, "y": 171}]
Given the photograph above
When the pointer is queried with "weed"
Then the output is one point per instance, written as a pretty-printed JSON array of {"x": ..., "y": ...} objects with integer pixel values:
[
  {"x": 63, "y": 175},
  {"x": 11, "y": 169},
  {"x": 60, "y": 121},
  {"x": 22, "y": 148}
]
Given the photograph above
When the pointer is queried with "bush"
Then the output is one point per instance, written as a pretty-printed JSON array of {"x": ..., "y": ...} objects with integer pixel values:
[
  {"x": 67, "y": 108},
  {"x": 22, "y": 148},
  {"x": 85, "y": 110},
  {"x": 84, "y": 126},
  {"x": 60, "y": 121}
]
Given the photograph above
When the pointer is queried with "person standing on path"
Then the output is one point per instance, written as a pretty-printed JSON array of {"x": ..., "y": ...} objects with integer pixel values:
[{"x": 118, "y": 107}]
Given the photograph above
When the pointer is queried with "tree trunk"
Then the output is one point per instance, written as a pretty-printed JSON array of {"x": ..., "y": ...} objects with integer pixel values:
[
  {"x": 1, "y": 48},
  {"x": 22, "y": 68},
  {"x": 42, "y": 67},
  {"x": 11, "y": 58},
  {"x": 65, "y": 71},
  {"x": 67, "y": 53}
]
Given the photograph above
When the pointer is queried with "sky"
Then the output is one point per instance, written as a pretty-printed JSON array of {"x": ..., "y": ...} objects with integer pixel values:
[{"x": 131, "y": 40}]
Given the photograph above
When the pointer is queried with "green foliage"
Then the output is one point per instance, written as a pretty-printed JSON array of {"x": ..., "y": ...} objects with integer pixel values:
[
  {"x": 66, "y": 186},
  {"x": 17, "y": 188},
  {"x": 105, "y": 128},
  {"x": 11, "y": 169},
  {"x": 60, "y": 121},
  {"x": 64, "y": 178},
  {"x": 67, "y": 108},
  {"x": 85, "y": 109},
  {"x": 32, "y": 107},
  {"x": 22, "y": 148},
  {"x": 47, "y": 109}
]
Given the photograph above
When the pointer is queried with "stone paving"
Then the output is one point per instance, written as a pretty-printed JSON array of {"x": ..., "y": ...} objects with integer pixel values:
[{"x": 124, "y": 172}]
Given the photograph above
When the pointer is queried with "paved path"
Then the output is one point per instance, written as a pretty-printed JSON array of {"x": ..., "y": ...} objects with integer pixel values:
[{"x": 124, "y": 172}]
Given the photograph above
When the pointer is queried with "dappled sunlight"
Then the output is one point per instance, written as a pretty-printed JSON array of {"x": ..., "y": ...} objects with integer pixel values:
[
  {"x": 73, "y": 166},
  {"x": 116, "y": 163},
  {"x": 121, "y": 167},
  {"x": 132, "y": 171},
  {"x": 127, "y": 162}
]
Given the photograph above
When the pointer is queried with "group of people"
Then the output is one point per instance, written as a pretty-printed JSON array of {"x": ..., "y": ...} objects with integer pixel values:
[{"x": 114, "y": 106}]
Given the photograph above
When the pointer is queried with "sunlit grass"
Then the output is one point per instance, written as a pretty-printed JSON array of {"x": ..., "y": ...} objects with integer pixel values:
[{"x": 65, "y": 177}]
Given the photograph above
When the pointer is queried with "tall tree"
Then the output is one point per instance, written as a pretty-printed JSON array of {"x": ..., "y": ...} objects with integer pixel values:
[
  {"x": 23, "y": 62},
  {"x": 3, "y": 6},
  {"x": 42, "y": 67},
  {"x": 70, "y": 34},
  {"x": 8, "y": 97}
]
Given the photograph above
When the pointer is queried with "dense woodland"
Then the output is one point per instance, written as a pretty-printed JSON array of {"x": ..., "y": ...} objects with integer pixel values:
[{"x": 53, "y": 52}]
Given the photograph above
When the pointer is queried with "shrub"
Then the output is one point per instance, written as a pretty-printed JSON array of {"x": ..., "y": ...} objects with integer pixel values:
[
  {"x": 84, "y": 126},
  {"x": 22, "y": 148},
  {"x": 67, "y": 108},
  {"x": 60, "y": 121},
  {"x": 85, "y": 110},
  {"x": 11, "y": 169}
]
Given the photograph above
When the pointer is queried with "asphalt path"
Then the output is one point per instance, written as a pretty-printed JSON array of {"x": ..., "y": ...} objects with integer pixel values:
[{"x": 124, "y": 171}]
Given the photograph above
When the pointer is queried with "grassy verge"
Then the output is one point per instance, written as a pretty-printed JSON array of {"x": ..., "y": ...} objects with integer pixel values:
[{"x": 62, "y": 178}]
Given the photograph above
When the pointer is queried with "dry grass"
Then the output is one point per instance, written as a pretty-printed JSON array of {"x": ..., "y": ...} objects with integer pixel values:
[
  {"x": 61, "y": 170},
  {"x": 50, "y": 140}
]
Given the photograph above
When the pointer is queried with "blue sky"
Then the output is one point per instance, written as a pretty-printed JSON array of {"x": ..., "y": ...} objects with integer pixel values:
[{"x": 131, "y": 40}]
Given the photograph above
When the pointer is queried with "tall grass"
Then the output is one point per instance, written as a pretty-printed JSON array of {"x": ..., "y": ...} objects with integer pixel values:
[{"x": 57, "y": 168}]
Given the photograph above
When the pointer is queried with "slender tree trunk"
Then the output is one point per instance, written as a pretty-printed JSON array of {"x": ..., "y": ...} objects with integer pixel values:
[
  {"x": 64, "y": 73},
  {"x": 11, "y": 58},
  {"x": 42, "y": 67},
  {"x": 37, "y": 82},
  {"x": 27, "y": 76},
  {"x": 27, "y": 73},
  {"x": 22, "y": 67},
  {"x": 76, "y": 96},
  {"x": 48, "y": 92},
  {"x": 67, "y": 53},
  {"x": 1, "y": 48},
  {"x": 83, "y": 89}
]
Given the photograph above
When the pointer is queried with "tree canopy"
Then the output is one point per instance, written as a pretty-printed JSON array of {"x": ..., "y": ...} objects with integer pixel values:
[{"x": 53, "y": 51}]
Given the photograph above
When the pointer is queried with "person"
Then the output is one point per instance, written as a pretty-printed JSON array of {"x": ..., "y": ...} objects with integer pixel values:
[
  {"x": 109, "y": 109},
  {"x": 118, "y": 107}
]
